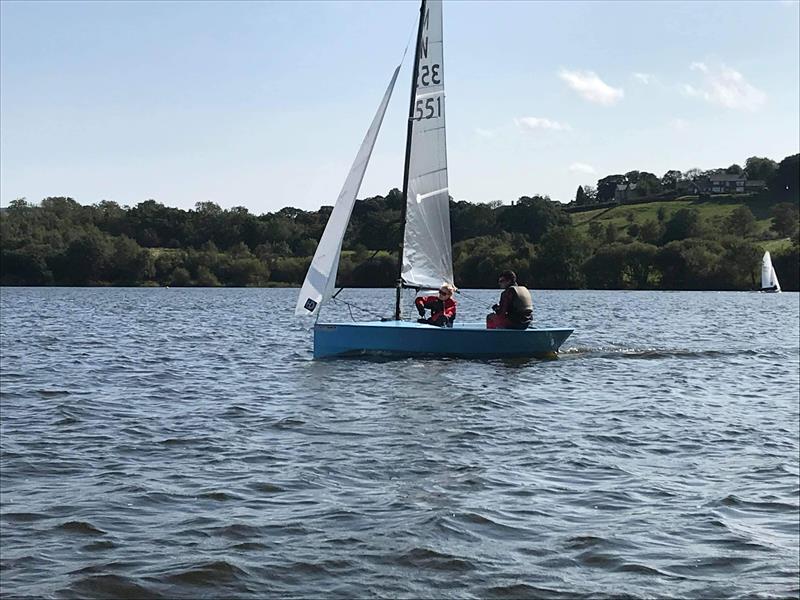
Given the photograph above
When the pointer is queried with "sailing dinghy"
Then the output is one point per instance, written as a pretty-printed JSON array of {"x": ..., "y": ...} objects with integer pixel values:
[
  {"x": 426, "y": 259},
  {"x": 769, "y": 280}
]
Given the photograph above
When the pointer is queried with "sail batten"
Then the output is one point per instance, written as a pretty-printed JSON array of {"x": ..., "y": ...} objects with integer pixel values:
[
  {"x": 427, "y": 258},
  {"x": 321, "y": 277}
]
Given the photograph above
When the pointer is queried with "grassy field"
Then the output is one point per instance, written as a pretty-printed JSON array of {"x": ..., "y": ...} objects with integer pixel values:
[{"x": 713, "y": 211}]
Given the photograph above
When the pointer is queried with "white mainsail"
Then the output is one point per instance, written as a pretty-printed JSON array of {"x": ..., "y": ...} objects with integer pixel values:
[
  {"x": 321, "y": 277},
  {"x": 427, "y": 253},
  {"x": 769, "y": 279}
]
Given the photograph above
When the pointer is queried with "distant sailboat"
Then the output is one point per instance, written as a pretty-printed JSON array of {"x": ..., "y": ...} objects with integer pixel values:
[
  {"x": 425, "y": 261},
  {"x": 769, "y": 280}
]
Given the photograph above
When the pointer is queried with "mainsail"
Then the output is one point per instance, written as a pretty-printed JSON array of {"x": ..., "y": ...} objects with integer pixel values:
[
  {"x": 321, "y": 277},
  {"x": 769, "y": 280},
  {"x": 427, "y": 254}
]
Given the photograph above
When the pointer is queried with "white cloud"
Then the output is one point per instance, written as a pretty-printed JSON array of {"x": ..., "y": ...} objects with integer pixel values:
[
  {"x": 591, "y": 87},
  {"x": 644, "y": 78},
  {"x": 679, "y": 124},
  {"x": 541, "y": 123},
  {"x": 484, "y": 133},
  {"x": 582, "y": 168},
  {"x": 726, "y": 87},
  {"x": 690, "y": 90}
]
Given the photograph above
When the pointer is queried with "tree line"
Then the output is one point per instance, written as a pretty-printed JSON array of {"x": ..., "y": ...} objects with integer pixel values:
[
  {"x": 61, "y": 242},
  {"x": 778, "y": 178}
]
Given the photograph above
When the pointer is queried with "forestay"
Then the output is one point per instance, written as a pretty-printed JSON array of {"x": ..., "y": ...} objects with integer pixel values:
[
  {"x": 321, "y": 277},
  {"x": 427, "y": 253}
]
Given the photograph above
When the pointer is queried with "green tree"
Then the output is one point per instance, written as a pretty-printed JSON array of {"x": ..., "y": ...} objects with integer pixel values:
[
  {"x": 611, "y": 233},
  {"x": 378, "y": 272},
  {"x": 559, "y": 262},
  {"x": 242, "y": 272},
  {"x": 580, "y": 196},
  {"x": 685, "y": 223},
  {"x": 607, "y": 187},
  {"x": 18, "y": 204},
  {"x": 785, "y": 184},
  {"x": 62, "y": 207},
  {"x": 85, "y": 259},
  {"x": 692, "y": 174},
  {"x": 596, "y": 230},
  {"x": 651, "y": 231},
  {"x": 165, "y": 264},
  {"x": 128, "y": 263},
  {"x": 532, "y": 217},
  {"x": 205, "y": 278},
  {"x": 647, "y": 185},
  {"x": 762, "y": 169},
  {"x": 606, "y": 268},
  {"x": 689, "y": 264},
  {"x": 621, "y": 266},
  {"x": 467, "y": 220},
  {"x": 18, "y": 267},
  {"x": 785, "y": 219},
  {"x": 477, "y": 262},
  {"x": 670, "y": 179},
  {"x": 640, "y": 263},
  {"x": 180, "y": 278},
  {"x": 632, "y": 176},
  {"x": 740, "y": 262},
  {"x": 290, "y": 269},
  {"x": 741, "y": 221},
  {"x": 734, "y": 170},
  {"x": 787, "y": 267}
]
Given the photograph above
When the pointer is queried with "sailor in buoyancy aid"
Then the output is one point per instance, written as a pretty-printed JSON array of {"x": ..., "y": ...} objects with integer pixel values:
[
  {"x": 515, "y": 310},
  {"x": 442, "y": 307}
]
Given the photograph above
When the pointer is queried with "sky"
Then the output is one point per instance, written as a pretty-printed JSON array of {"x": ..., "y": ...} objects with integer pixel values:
[{"x": 264, "y": 104}]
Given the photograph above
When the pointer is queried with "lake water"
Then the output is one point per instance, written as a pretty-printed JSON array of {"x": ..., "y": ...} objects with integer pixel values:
[{"x": 182, "y": 443}]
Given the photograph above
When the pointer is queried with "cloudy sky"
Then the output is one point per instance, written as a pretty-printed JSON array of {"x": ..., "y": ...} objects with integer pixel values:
[{"x": 264, "y": 104}]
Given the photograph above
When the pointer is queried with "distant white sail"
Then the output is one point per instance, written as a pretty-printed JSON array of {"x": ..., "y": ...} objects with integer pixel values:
[
  {"x": 769, "y": 279},
  {"x": 321, "y": 277},
  {"x": 427, "y": 253}
]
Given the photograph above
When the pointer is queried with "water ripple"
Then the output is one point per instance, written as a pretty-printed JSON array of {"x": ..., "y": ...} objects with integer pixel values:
[{"x": 181, "y": 443}]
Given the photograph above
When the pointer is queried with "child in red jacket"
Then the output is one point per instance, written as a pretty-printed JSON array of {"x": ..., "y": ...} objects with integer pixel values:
[{"x": 442, "y": 307}]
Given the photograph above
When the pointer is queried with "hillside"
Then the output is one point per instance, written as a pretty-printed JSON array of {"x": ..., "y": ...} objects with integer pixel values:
[
  {"x": 686, "y": 243},
  {"x": 714, "y": 211}
]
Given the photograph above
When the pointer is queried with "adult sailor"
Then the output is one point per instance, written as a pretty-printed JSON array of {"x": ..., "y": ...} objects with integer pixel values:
[{"x": 515, "y": 310}]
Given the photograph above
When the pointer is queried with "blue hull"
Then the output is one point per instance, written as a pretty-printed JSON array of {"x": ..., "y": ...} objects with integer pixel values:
[{"x": 411, "y": 339}]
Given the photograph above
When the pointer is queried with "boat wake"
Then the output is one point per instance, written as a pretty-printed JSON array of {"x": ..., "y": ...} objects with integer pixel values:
[{"x": 655, "y": 353}]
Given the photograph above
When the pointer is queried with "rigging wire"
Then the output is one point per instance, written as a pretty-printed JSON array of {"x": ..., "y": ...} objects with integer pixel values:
[
  {"x": 374, "y": 254},
  {"x": 351, "y": 306},
  {"x": 474, "y": 299},
  {"x": 408, "y": 43}
]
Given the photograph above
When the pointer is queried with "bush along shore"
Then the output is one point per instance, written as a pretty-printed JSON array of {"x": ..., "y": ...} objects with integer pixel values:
[{"x": 691, "y": 242}]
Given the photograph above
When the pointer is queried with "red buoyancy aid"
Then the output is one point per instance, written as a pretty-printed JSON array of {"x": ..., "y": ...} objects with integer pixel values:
[{"x": 438, "y": 307}]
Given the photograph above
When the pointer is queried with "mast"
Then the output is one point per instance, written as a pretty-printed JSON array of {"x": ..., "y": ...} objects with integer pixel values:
[{"x": 409, "y": 131}]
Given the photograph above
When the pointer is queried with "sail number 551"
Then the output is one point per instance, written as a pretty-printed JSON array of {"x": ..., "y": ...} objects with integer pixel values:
[{"x": 428, "y": 108}]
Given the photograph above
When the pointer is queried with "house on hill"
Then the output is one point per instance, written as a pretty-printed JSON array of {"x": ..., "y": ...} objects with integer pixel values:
[
  {"x": 754, "y": 185},
  {"x": 728, "y": 183},
  {"x": 624, "y": 192}
]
